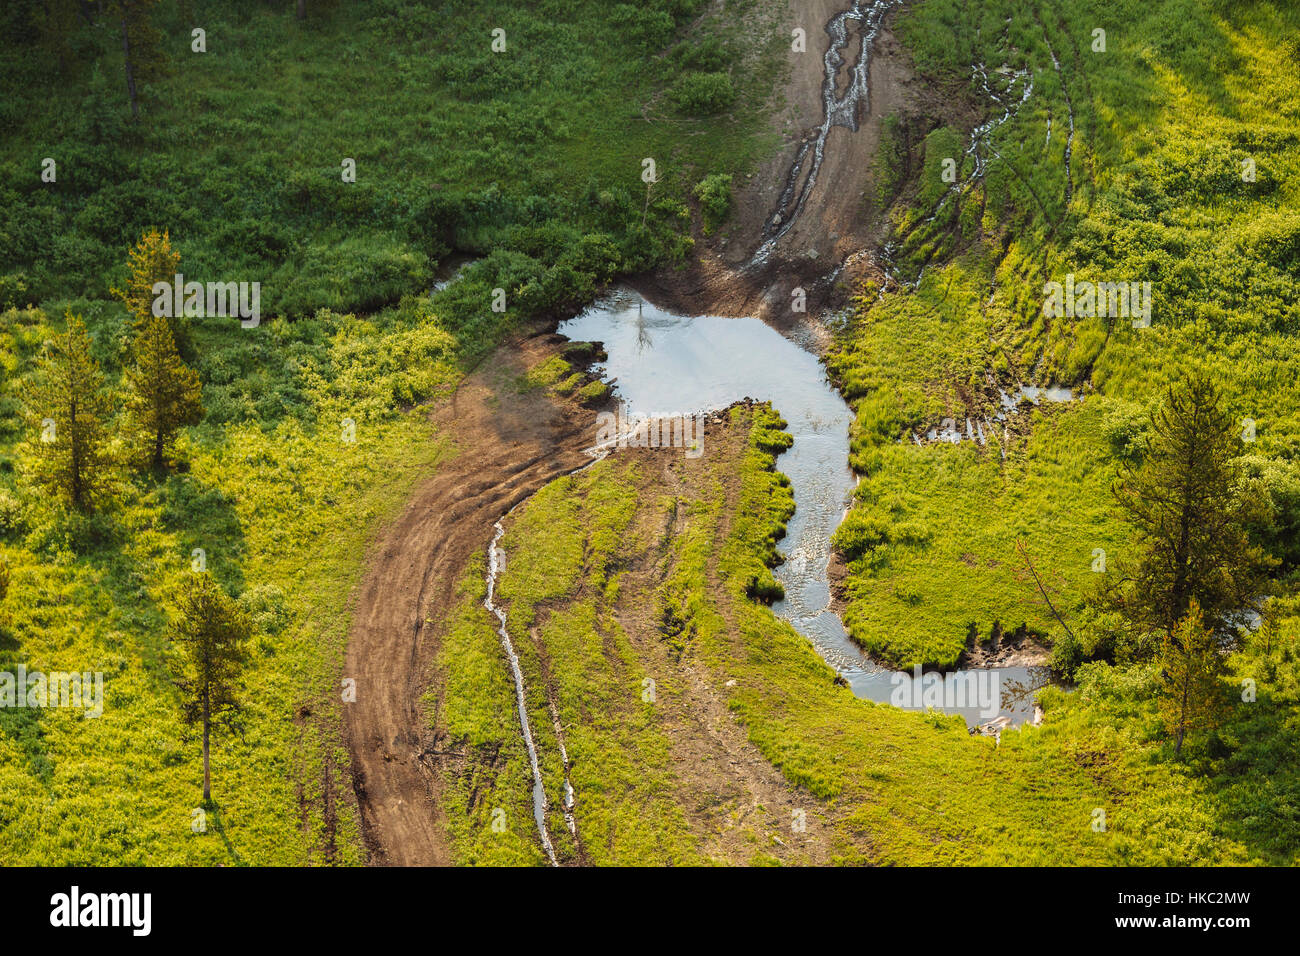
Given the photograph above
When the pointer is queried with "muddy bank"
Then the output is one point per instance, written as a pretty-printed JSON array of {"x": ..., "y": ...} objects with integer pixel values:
[{"x": 819, "y": 232}]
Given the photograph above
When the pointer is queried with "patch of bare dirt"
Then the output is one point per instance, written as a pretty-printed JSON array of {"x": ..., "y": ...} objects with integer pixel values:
[
  {"x": 840, "y": 224},
  {"x": 508, "y": 443}
]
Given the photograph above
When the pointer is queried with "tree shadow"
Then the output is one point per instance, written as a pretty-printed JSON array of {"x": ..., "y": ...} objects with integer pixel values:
[{"x": 215, "y": 823}]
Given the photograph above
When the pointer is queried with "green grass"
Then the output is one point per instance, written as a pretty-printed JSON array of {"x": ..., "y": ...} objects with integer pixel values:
[
  {"x": 284, "y": 513},
  {"x": 532, "y": 161},
  {"x": 239, "y": 150},
  {"x": 562, "y": 546},
  {"x": 1162, "y": 128},
  {"x": 892, "y": 786}
]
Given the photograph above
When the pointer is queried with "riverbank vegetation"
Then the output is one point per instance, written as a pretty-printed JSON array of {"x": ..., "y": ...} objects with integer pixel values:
[
  {"x": 1164, "y": 152},
  {"x": 700, "y": 728},
  {"x": 635, "y": 574},
  {"x": 1181, "y": 173}
]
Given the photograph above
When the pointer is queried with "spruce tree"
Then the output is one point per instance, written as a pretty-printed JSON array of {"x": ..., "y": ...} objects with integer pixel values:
[
  {"x": 1182, "y": 498},
  {"x": 164, "y": 393},
  {"x": 69, "y": 410},
  {"x": 210, "y": 636}
]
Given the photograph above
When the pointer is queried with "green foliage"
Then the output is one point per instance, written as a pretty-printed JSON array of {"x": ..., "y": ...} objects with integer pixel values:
[
  {"x": 891, "y": 162},
  {"x": 150, "y": 261},
  {"x": 164, "y": 393},
  {"x": 955, "y": 799},
  {"x": 1191, "y": 698},
  {"x": 1184, "y": 503},
  {"x": 501, "y": 133},
  {"x": 714, "y": 194},
  {"x": 209, "y": 638},
  {"x": 712, "y": 54},
  {"x": 283, "y": 506},
  {"x": 13, "y": 292},
  {"x": 703, "y": 94},
  {"x": 1158, "y": 194},
  {"x": 68, "y": 410},
  {"x": 858, "y": 535}
]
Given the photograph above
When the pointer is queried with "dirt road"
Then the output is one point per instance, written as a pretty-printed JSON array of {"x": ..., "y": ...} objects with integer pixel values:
[{"x": 508, "y": 444}]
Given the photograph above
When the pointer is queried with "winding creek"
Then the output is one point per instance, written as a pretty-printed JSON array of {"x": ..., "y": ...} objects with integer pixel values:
[{"x": 664, "y": 364}]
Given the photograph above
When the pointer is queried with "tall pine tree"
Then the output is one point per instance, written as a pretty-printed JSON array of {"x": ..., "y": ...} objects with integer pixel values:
[
  {"x": 210, "y": 636},
  {"x": 164, "y": 393},
  {"x": 69, "y": 409},
  {"x": 1183, "y": 501}
]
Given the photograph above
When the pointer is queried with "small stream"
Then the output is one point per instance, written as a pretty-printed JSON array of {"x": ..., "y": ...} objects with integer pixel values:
[
  {"x": 838, "y": 109},
  {"x": 664, "y": 365},
  {"x": 497, "y": 564}
]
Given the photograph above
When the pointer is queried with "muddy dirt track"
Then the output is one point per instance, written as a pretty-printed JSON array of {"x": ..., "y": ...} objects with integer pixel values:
[
  {"x": 837, "y": 219},
  {"x": 504, "y": 451}
]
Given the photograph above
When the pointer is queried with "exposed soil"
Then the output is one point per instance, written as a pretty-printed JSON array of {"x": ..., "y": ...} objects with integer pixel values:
[
  {"x": 1015, "y": 648},
  {"x": 840, "y": 225},
  {"x": 508, "y": 444}
]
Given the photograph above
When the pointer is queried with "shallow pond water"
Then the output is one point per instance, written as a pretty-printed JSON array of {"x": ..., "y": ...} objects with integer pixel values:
[{"x": 667, "y": 365}]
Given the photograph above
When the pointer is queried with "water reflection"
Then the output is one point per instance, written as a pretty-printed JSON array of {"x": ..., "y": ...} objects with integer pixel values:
[{"x": 704, "y": 363}]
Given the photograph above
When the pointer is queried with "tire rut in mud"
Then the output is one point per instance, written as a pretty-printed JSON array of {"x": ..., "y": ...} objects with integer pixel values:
[{"x": 508, "y": 444}]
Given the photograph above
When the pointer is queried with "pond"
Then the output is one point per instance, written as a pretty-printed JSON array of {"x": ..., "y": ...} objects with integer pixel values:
[{"x": 667, "y": 365}]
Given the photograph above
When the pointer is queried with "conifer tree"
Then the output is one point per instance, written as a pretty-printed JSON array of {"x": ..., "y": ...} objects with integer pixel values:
[
  {"x": 210, "y": 636},
  {"x": 164, "y": 393},
  {"x": 1191, "y": 698},
  {"x": 151, "y": 260},
  {"x": 1183, "y": 500},
  {"x": 69, "y": 409},
  {"x": 143, "y": 58}
]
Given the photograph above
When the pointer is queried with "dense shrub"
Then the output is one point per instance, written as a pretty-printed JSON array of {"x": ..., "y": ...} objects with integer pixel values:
[
  {"x": 714, "y": 194},
  {"x": 703, "y": 94}
]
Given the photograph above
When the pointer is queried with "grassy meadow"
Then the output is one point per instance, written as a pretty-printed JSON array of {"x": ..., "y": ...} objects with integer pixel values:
[
  {"x": 314, "y": 431},
  {"x": 1182, "y": 168},
  {"x": 599, "y": 599},
  {"x": 1183, "y": 171}
]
